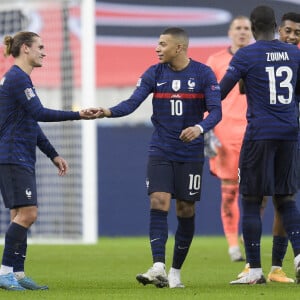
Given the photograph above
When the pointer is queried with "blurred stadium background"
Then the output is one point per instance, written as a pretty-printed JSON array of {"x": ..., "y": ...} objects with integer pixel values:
[{"x": 125, "y": 35}]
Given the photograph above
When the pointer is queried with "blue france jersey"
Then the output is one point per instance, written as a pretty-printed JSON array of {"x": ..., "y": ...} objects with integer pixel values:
[
  {"x": 180, "y": 99},
  {"x": 270, "y": 70},
  {"x": 20, "y": 111}
]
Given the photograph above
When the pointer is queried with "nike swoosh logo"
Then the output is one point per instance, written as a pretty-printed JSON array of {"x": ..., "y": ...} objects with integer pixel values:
[
  {"x": 160, "y": 83},
  {"x": 193, "y": 193},
  {"x": 182, "y": 248},
  {"x": 154, "y": 240}
]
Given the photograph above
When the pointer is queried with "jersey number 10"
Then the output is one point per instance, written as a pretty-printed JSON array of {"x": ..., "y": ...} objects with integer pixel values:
[{"x": 176, "y": 107}]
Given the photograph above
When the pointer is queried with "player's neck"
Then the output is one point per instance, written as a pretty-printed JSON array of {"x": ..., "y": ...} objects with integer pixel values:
[
  {"x": 264, "y": 36},
  {"x": 179, "y": 64},
  {"x": 23, "y": 66}
]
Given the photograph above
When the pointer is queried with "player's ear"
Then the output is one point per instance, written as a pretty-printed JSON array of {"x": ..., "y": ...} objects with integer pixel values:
[
  {"x": 25, "y": 48},
  {"x": 180, "y": 48}
]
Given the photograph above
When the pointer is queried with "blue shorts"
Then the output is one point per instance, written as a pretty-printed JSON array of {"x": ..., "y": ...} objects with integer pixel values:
[
  {"x": 268, "y": 167},
  {"x": 18, "y": 186},
  {"x": 181, "y": 179}
]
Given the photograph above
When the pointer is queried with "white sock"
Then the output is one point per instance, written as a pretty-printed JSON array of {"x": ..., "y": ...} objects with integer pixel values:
[
  {"x": 234, "y": 249},
  {"x": 19, "y": 275},
  {"x": 159, "y": 265},
  {"x": 175, "y": 271},
  {"x": 5, "y": 270},
  {"x": 255, "y": 271}
]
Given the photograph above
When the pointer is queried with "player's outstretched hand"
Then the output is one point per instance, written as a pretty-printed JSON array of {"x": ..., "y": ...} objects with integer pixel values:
[
  {"x": 61, "y": 164},
  {"x": 104, "y": 112},
  {"x": 189, "y": 134},
  {"x": 89, "y": 113},
  {"x": 211, "y": 144}
]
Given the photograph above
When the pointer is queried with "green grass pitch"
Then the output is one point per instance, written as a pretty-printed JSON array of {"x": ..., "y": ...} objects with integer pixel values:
[{"x": 107, "y": 271}]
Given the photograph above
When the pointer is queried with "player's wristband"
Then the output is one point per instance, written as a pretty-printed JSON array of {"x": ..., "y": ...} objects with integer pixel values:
[{"x": 201, "y": 128}]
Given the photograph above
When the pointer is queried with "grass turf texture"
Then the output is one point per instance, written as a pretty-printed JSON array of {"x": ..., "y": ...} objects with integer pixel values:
[{"x": 107, "y": 271}]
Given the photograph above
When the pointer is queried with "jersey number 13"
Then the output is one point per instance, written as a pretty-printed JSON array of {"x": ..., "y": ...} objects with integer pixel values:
[{"x": 285, "y": 75}]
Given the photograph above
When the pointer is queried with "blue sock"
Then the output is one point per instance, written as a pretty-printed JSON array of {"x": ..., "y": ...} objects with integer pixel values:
[
  {"x": 14, "y": 237},
  {"x": 291, "y": 221},
  {"x": 20, "y": 259},
  {"x": 158, "y": 234},
  {"x": 252, "y": 228},
  {"x": 279, "y": 248},
  {"x": 183, "y": 239}
]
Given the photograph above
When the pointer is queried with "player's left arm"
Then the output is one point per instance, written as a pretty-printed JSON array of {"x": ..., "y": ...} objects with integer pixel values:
[
  {"x": 226, "y": 85},
  {"x": 237, "y": 67},
  {"x": 47, "y": 148},
  {"x": 44, "y": 144},
  {"x": 212, "y": 101}
]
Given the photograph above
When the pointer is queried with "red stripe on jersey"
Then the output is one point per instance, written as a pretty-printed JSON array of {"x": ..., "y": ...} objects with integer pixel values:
[{"x": 179, "y": 95}]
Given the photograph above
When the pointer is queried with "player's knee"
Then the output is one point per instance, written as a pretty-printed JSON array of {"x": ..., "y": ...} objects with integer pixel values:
[
  {"x": 264, "y": 202},
  {"x": 160, "y": 201},
  {"x": 27, "y": 216},
  {"x": 185, "y": 209},
  {"x": 278, "y": 200}
]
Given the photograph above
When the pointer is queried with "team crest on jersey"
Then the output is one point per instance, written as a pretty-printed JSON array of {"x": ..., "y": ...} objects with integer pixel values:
[
  {"x": 176, "y": 84},
  {"x": 191, "y": 84},
  {"x": 29, "y": 93}
]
